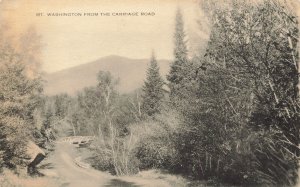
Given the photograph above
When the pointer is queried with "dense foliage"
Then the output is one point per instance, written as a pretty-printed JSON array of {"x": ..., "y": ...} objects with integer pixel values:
[
  {"x": 244, "y": 126},
  {"x": 20, "y": 91}
]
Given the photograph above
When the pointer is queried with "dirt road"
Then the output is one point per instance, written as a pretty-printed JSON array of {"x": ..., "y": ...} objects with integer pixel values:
[{"x": 61, "y": 166}]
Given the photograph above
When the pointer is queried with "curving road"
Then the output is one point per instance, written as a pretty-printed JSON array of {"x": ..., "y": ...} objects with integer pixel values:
[{"x": 61, "y": 166}]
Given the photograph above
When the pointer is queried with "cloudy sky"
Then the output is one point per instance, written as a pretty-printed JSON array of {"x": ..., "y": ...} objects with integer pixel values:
[{"x": 73, "y": 40}]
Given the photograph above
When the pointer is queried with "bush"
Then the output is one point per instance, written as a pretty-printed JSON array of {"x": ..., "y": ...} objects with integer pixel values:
[
  {"x": 155, "y": 152},
  {"x": 155, "y": 146},
  {"x": 276, "y": 165},
  {"x": 116, "y": 155},
  {"x": 147, "y": 145}
]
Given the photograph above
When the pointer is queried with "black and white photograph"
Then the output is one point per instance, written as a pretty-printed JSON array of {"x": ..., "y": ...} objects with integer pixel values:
[{"x": 149, "y": 93}]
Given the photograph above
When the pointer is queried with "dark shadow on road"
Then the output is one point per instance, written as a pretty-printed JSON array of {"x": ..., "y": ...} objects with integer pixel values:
[{"x": 120, "y": 183}]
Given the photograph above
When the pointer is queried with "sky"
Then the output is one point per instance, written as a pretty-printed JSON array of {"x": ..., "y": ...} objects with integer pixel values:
[{"x": 72, "y": 40}]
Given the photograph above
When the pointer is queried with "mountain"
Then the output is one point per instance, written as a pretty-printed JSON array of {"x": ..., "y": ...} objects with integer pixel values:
[{"x": 131, "y": 72}]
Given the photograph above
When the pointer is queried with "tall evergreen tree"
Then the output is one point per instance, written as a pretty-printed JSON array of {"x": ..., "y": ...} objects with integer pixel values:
[
  {"x": 178, "y": 69},
  {"x": 153, "y": 93}
]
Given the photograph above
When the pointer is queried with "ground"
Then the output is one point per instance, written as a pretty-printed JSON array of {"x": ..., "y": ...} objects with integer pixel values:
[
  {"x": 61, "y": 169},
  {"x": 62, "y": 165}
]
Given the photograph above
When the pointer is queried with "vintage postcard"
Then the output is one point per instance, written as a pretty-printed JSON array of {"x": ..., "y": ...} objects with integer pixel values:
[{"x": 149, "y": 93}]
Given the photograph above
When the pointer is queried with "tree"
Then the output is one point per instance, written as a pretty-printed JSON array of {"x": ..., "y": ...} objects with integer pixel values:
[
  {"x": 17, "y": 101},
  {"x": 153, "y": 92},
  {"x": 178, "y": 72},
  {"x": 19, "y": 97}
]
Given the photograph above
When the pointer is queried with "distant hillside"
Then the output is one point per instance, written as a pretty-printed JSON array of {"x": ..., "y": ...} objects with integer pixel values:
[{"x": 132, "y": 73}]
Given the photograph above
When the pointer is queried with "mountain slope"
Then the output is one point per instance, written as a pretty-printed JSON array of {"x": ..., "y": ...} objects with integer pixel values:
[{"x": 131, "y": 72}]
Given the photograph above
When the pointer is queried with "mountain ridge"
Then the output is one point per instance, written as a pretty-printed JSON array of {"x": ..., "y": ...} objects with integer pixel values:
[{"x": 131, "y": 72}]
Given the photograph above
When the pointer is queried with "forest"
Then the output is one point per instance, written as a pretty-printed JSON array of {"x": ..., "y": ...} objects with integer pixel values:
[{"x": 227, "y": 115}]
